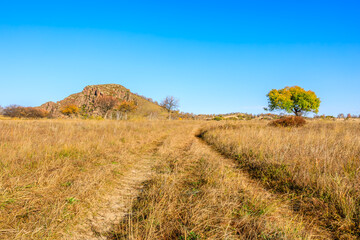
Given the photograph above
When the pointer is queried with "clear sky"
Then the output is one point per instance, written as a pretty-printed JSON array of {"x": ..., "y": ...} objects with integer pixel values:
[{"x": 215, "y": 56}]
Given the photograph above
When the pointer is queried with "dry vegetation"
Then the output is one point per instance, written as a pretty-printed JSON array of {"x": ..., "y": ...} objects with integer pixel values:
[
  {"x": 52, "y": 172},
  {"x": 316, "y": 166},
  {"x": 198, "y": 194},
  {"x": 270, "y": 183},
  {"x": 293, "y": 121}
]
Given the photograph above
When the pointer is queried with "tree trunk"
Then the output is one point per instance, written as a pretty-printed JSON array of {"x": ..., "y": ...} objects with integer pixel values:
[{"x": 298, "y": 113}]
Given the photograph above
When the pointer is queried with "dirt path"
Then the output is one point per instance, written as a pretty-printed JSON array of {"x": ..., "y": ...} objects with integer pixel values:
[
  {"x": 283, "y": 213},
  {"x": 117, "y": 203}
]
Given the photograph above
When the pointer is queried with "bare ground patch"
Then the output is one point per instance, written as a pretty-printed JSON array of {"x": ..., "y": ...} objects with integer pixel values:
[{"x": 117, "y": 203}]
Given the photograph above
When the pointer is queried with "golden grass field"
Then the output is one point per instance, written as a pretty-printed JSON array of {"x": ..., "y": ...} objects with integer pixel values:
[
  {"x": 316, "y": 166},
  {"x": 209, "y": 180}
]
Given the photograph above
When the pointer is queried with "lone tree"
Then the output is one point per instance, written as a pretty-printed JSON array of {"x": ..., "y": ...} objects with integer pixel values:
[
  {"x": 126, "y": 106},
  {"x": 171, "y": 104},
  {"x": 293, "y": 100}
]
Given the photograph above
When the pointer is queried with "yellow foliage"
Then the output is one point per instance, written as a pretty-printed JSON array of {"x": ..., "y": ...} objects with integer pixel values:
[
  {"x": 69, "y": 109},
  {"x": 127, "y": 106},
  {"x": 293, "y": 99}
]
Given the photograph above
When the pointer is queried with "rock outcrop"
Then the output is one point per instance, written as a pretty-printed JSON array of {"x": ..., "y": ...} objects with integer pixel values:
[{"x": 86, "y": 101}]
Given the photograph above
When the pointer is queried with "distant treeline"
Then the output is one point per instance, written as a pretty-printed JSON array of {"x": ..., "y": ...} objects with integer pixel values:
[
  {"x": 16, "y": 111},
  {"x": 23, "y": 112}
]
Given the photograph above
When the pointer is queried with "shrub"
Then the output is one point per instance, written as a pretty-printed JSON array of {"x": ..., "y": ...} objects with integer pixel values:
[
  {"x": 218, "y": 118},
  {"x": 24, "y": 112},
  {"x": 293, "y": 121},
  {"x": 69, "y": 109},
  {"x": 127, "y": 106},
  {"x": 36, "y": 112},
  {"x": 12, "y": 111},
  {"x": 106, "y": 103}
]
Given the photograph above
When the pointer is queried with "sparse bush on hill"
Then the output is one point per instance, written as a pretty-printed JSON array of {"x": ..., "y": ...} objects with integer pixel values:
[
  {"x": 24, "y": 112},
  {"x": 1, "y": 110},
  {"x": 126, "y": 107},
  {"x": 292, "y": 121},
  {"x": 70, "y": 109},
  {"x": 106, "y": 103}
]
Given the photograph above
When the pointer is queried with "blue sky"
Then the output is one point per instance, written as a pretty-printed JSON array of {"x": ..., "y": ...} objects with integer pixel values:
[{"x": 215, "y": 56}]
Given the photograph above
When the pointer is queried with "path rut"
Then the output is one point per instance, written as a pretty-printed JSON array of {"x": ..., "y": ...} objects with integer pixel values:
[
  {"x": 284, "y": 212},
  {"x": 117, "y": 204}
]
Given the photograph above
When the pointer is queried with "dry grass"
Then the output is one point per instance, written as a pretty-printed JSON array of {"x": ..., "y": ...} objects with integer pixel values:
[
  {"x": 316, "y": 166},
  {"x": 292, "y": 121},
  {"x": 298, "y": 183},
  {"x": 52, "y": 172},
  {"x": 198, "y": 194}
]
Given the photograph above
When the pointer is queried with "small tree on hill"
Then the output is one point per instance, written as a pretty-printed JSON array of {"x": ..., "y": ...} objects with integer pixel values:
[
  {"x": 69, "y": 110},
  {"x": 170, "y": 103},
  {"x": 341, "y": 115},
  {"x": 1, "y": 110},
  {"x": 293, "y": 99},
  {"x": 126, "y": 107},
  {"x": 106, "y": 103}
]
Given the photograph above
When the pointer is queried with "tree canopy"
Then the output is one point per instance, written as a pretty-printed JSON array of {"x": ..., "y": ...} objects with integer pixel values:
[{"x": 293, "y": 100}]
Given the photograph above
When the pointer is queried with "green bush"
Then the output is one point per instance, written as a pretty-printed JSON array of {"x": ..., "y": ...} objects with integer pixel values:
[{"x": 217, "y": 118}]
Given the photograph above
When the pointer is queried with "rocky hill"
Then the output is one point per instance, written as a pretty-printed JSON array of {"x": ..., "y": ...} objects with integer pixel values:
[{"x": 87, "y": 99}]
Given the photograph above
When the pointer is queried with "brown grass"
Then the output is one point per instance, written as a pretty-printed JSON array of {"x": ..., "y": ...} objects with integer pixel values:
[
  {"x": 292, "y": 121},
  {"x": 52, "y": 172},
  {"x": 198, "y": 194},
  {"x": 317, "y": 166},
  {"x": 293, "y": 183}
]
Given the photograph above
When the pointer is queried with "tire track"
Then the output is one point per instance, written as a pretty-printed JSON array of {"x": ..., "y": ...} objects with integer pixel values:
[
  {"x": 284, "y": 211},
  {"x": 117, "y": 204}
]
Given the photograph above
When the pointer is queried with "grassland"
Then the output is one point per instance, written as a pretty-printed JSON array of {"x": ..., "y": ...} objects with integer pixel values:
[
  {"x": 52, "y": 172},
  {"x": 210, "y": 180},
  {"x": 198, "y": 194},
  {"x": 316, "y": 167}
]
